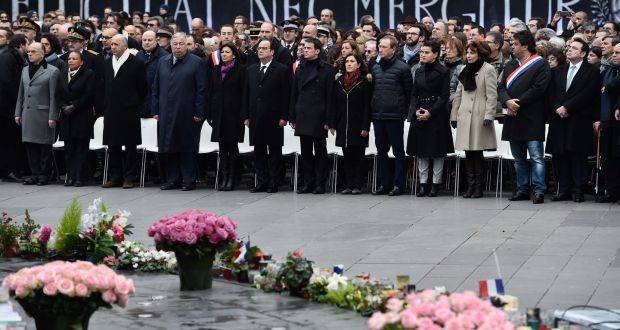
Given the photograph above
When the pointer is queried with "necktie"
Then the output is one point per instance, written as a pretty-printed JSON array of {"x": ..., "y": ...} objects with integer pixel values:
[
  {"x": 570, "y": 76},
  {"x": 262, "y": 71}
]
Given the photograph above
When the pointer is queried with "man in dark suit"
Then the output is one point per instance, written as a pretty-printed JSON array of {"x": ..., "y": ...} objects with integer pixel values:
[
  {"x": 522, "y": 91},
  {"x": 574, "y": 94},
  {"x": 150, "y": 54},
  {"x": 125, "y": 90},
  {"x": 265, "y": 110},
  {"x": 281, "y": 54},
  {"x": 310, "y": 99}
]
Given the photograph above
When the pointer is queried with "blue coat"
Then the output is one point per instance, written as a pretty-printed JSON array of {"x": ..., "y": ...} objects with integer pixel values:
[{"x": 178, "y": 96}]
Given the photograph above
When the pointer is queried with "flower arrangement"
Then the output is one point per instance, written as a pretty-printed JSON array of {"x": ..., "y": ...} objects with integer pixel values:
[
  {"x": 28, "y": 240},
  {"x": 432, "y": 310},
  {"x": 238, "y": 259},
  {"x": 266, "y": 280},
  {"x": 91, "y": 236},
  {"x": 295, "y": 273},
  {"x": 67, "y": 290},
  {"x": 360, "y": 295},
  {"x": 135, "y": 256}
]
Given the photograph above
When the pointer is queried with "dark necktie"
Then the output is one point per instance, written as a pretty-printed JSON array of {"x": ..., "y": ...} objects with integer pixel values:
[{"x": 262, "y": 71}]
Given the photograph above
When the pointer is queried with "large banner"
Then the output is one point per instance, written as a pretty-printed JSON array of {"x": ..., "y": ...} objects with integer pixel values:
[{"x": 347, "y": 12}]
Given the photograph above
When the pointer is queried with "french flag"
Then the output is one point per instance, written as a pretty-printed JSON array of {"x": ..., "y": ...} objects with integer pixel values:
[
  {"x": 216, "y": 58},
  {"x": 491, "y": 288},
  {"x": 243, "y": 250}
]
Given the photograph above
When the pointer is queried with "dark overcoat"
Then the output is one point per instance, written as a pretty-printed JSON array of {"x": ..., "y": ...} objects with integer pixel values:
[
  {"x": 225, "y": 102},
  {"x": 79, "y": 92},
  {"x": 530, "y": 89},
  {"x": 179, "y": 95},
  {"x": 124, "y": 97},
  {"x": 150, "y": 61},
  {"x": 350, "y": 112},
  {"x": 311, "y": 99},
  {"x": 266, "y": 101},
  {"x": 431, "y": 90},
  {"x": 582, "y": 101}
]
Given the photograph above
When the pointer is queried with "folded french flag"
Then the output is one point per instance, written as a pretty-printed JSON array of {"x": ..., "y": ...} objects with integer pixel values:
[{"x": 491, "y": 288}]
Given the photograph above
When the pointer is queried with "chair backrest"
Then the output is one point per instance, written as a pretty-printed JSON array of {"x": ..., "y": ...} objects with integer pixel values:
[
  {"x": 372, "y": 147},
  {"x": 149, "y": 133},
  {"x": 291, "y": 142},
  {"x": 97, "y": 140},
  {"x": 406, "y": 133},
  {"x": 245, "y": 147},
  {"x": 331, "y": 144},
  {"x": 206, "y": 146},
  {"x": 503, "y": 147}
]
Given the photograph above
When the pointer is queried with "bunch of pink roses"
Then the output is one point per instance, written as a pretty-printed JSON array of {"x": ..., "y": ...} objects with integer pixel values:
[
  {"x": 80, "y": 279},
  {"x": 193, "y": 227},
  {"x": 429, "y": 310}
]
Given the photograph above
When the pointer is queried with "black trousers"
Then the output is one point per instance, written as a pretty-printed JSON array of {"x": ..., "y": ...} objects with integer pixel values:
[
  {"x": 181, "y": 167},
  {"x": 571, "y": 171},
  {"x": 314, "y": 165},
  {"x": 13, "y": 159},
  {"x": 76, "y": 154},
  {"x": 229, "y": 153},
  {"x": 354, "y": 166},
  {"x": 611, "y": 170},
  {"x": 39, "y": 160},
  {"x": 122, "y": 168},
  {"x": 268, "y": 164}
]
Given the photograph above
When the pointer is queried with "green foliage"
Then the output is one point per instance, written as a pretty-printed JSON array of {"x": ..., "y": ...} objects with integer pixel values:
[
  {"x": 28, "y": 228},
  {"x": 68, "y": 232},
  {"x": 317, "y": 291},
  {"x": 341, "y": 297},
  {"x": 99, "y": 247},
  {"x": 9, "y": 232},
  {"x": 295, "y": 274}
]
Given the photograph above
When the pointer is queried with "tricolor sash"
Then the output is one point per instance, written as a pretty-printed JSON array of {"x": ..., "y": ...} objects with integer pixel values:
[
  {"x": 295, "y": 65},
  {"x": 216, "y": 58},
  {"x": 529, "y": 63}
]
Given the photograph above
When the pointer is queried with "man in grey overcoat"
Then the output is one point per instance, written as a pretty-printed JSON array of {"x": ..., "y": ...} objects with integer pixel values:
[{"x": 36, "y": 112}]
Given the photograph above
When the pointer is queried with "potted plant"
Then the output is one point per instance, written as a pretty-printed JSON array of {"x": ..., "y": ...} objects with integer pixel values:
[
  {"x": 295, "y": 273},
  {"x": 9, "y": 234},
  {"x": 64, "y": 295},
  {"x": 194, "y": 236}
]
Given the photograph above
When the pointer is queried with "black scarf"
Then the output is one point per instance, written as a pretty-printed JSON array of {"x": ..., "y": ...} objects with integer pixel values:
[
  {"x": 386, "y": 63},
  {"x": 32, "y": 68},
  {"x": 468, "y": 76}
]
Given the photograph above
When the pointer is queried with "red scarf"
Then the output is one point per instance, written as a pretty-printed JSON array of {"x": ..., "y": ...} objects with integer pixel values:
[{"x": 350, "y": 79}]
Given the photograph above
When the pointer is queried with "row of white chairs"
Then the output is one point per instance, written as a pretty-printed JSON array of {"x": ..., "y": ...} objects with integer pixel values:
[{"x": 292, "y": 148}]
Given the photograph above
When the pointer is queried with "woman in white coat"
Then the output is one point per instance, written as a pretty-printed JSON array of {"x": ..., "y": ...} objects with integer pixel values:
[{"x": 473, "y": 112}]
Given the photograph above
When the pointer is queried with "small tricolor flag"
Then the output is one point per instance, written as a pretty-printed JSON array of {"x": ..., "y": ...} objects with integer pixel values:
[
  {"x": 491, "y": 288},
  {"x": 216, "y": 58},
  {"x": 243, "y": 250}
]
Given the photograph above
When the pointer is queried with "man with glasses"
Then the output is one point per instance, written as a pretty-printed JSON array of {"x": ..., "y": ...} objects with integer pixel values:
[
  {"x": 589, "y": 32},
  {"x": 240, "y": 23},
  {"x": 535, "y": 24},
  {"x": 282, "y": 56},
  {"x": 370, "y": 50},
  {"x": 289, "y": 39},
  {"x": 410, "y": 51},
  {"x": 155, "y": 23},
  {"x": 495, "y": 41},
  {"x": 612, "y": 28}
]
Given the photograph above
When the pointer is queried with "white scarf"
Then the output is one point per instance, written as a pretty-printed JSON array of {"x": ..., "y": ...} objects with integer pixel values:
[{"x": 117, "y": 63}]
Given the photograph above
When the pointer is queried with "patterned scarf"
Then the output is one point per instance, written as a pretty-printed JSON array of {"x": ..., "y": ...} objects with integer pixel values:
[
  {"x": 350, "y": 79},
  {"x": 226, "y": 67}
]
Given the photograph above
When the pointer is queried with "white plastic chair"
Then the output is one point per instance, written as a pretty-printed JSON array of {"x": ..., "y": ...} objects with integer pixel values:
[
  {"x": 333, "y": 151},
  {"x": 292, "y": 147},
  {"x": 208, "y": 147},
  {"x": 457, "y": 155},
  {"x": 96, "y": 144},
  {"x": 149, "y": 143},
  {"x": 371, "y": 151}
]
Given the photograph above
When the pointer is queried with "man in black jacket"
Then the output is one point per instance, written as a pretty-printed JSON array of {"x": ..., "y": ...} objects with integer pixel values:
[
  {"x": 150, "y": 54},
  {"x": 522, "y": 91},
  {"x": 310, "y": 99},
  {"x": 265, "y": 111},
  {"x": 281, "y": 55},
  {"x": 390, "y": 101},
  {"x": 575, "y": 90}
]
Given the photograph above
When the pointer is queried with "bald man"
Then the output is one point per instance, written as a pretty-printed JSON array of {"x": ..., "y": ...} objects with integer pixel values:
[
  {"x": 198, "y": 27},
  {"x": 150, "y": 54},
  {"x": 281, "y": 54},
  {"x": 36, "y": 112},
  {"x": 125, "y": 91}
]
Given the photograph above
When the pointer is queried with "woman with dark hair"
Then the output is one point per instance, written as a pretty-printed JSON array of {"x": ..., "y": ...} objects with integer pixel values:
[
  {"x": 136, "y": 18},
  {"x": 430, "y": 137},
  {"x": 453, "y": 60},
  {"x": 77, "y": 94},
  {"x": 224, "y": 111},
  {"x": 556, "y": 58},
  {"x": 594, "y": 56},
  {"x": 350, "y": 119},
  {"x": 473, "y": 112},
  {"x": 347, "y": 48},
  {"x": 52, "y": 48}
]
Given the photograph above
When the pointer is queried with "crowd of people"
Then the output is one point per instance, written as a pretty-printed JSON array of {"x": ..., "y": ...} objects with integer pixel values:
[{"x": 59, "y": 73}]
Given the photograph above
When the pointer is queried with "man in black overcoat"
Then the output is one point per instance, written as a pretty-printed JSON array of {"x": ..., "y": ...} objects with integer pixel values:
[
  {"x": 281, "y": 54},
  {"x": 574, "y": 92},
  {"x": 310, "y": 100},
  {"x": 265, "y": 111},
  {"x": 125, "y": 90},
  {"x": 522, "y": 91}
]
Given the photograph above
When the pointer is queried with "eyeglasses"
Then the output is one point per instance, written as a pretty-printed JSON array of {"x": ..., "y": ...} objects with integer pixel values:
[
  {"x": 368, "y": 51},
  {"x": 152, "y": 24},
  {"x": 412, "y": 34},
  {"x": 367, "y": 31}
]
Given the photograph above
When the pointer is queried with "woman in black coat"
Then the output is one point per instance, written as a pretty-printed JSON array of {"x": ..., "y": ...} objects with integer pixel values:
[
  {"x": 78, "y": 93},
  {"x": 430, "y": 136},
  {"x": 224, "y": 111},
  {"x": 52, "y": 47},
  {"x": 350, "y": 118}
]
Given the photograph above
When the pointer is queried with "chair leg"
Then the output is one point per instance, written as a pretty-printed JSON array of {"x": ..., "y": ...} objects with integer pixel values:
[
  {"x": 217, "y": 171},
  {"x": 143, "y": 169},
  {"x": 295, "y": 172},
  {"x": 105, "y": 166},
  {"x": 335, "y": 173},
  {"x": 374, "y": 175}
]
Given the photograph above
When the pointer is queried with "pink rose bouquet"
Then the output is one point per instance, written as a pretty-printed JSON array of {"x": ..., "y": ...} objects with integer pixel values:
[
  {"x": 73, "y": 287},
  {"x": 193, "y": 229},
  {"x": 430, "y": 310}
]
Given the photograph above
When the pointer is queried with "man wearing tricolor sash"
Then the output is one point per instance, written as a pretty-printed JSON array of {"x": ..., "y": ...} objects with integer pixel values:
[{"x": 522, "y": 91}]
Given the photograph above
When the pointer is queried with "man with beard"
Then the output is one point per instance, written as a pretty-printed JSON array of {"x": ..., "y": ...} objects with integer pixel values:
[{"x": 410, "y": 51}]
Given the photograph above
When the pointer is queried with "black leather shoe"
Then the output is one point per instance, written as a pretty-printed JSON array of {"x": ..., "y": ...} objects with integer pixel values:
[
  {"x": 381, "y": 191},
  {"x": 606, "y": 199},
  {"x": 273, "y": 189},
  {"x": 78, "y": 184},
  {"x": 356, "y": 191},
  {"x": 538, "y": 199},
  {"x": 346, "y": 191},
  {"x": 396, "y": 191},
  {"x": 579, "y": 197},
  {"x": 423, "y": 190},
  {"x": 260, "y": 188},
  {"x": 69, "y": 183},
  {"x": 188, "y": 187},
  {"x": 519, "y": 197},
  {"x": 562, "y": 197},
  {"x": 305, "y": 190},
  {"x": 12, "y": 177},
  {"x": 30, "y": 182},
  {"x": 42, "y": 183},
  {"x": 169, "y": 186},
  {"x": 434, "y": 190},
  {"x": 319, "y": 190}
]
